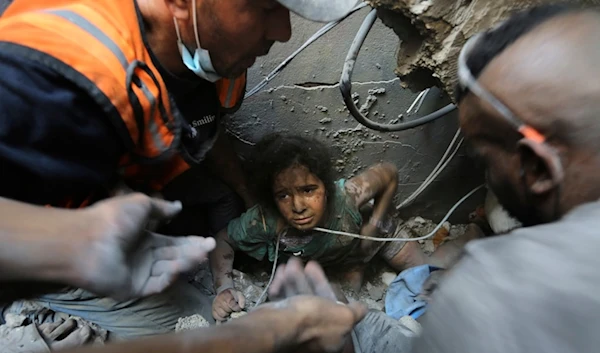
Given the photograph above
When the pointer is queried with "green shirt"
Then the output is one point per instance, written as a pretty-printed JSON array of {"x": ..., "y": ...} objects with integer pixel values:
[{"x": 255, "y": 233}]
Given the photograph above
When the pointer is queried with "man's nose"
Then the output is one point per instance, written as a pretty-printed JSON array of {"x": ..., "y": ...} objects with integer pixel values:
[{"x": 279, "y": 26}]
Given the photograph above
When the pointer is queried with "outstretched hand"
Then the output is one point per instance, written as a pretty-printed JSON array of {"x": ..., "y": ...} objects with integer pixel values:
[
  {"x": 325, "y": 324},
  {"x": 124, "y": 260},
  {"x": 293, "y": 278}
]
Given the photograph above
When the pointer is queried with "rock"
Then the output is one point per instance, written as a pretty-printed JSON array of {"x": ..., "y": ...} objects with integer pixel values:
[
  {"x": 364, "y": 109},
  {"x": 322, "y": 108},
  {"x": 325, "y": 121},
  {"x": 191, "y": 323},
  {"x": 14, "y": 320},
  {"x": 388, "y": 277},
  {"x": 373, "y": 304},
  {"x": 247, "y": 285},
  {"x": 419, "y": 220},
  {"x": 376, "y": 292},
  {"x": 237, "y": 315},
  {"x": 377, "y": 91}
]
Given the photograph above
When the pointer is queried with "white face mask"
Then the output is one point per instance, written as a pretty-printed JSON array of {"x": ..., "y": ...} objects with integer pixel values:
[{"x": 200, "y": 62}]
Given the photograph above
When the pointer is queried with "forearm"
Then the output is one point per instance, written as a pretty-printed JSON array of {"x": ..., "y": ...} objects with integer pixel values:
[
  {"x": 221, "y": 262},
  {"x": 255, "y": 333},
  {"x": 38, "y": 243},
  {"x": 380, "y": 211}
]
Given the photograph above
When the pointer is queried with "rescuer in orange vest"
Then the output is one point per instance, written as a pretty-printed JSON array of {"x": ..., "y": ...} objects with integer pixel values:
[{"x": 98, "y": 92}]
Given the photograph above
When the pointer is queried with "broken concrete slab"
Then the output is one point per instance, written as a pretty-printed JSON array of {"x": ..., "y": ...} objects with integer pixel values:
[{"x": 433, "y": 32}]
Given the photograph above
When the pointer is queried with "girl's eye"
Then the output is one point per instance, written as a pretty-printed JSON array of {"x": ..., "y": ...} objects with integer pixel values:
[
  {"x": 281, "y": 196},
  {"x": 309, "y": 190}
]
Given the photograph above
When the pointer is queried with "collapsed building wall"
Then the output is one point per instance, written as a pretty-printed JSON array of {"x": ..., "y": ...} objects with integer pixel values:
[
  {"x": 434, "y": 31},
  {"x": 305, "y": 99}
]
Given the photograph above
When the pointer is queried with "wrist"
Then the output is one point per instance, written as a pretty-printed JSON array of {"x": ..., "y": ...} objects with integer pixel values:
[
  {"x": 223, "y": 287},
  {"x": 87, "y": 229},
  {"x": 283, "y": 325}
]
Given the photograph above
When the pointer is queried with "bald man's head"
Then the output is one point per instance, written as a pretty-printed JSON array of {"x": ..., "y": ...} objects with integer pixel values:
[{"x": 548, "y": 74}]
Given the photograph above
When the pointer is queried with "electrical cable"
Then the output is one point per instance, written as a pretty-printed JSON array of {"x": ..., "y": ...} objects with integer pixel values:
[
  {"x": 285, "y": 62},
  {"x": 385, "y": 240},
  {"x": 442, "y": 164},
  {"x": 346, "y": 86},
  {"x": 260, "y": 299}
]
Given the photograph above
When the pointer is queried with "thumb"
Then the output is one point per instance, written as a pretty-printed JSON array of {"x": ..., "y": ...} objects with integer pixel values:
[
  {"x": 241, "y": 300},
  {"x": 162, "y": 210},
  {"x": 359, "y": 311}
]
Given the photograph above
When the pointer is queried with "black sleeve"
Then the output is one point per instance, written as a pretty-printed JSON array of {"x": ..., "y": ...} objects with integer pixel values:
[{"x": 55, "y": 141}]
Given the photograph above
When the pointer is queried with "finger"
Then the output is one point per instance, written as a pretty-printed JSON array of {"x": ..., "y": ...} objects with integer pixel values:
[
  {"x": 296, "y": 278},
  {"x": 46, "y": 329},
  {"x": 192, "y": 247},
  {"x": 162, "y": 210},
  {"x": 318, "y": 280},
  {"x": 359, "y": 311},
  {"x": 233, "y": 305},
  {"x": 222, "y": 314},
  {"x": 157, "y": 284},
  {"x": 62, "y": 330},
  {"x": 276, "y": 288},
  {"x": 241, "y": 299},
  {"x": 76, "y": 338}
]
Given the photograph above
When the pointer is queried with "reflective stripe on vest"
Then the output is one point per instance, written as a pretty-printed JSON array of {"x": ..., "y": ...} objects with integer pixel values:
[
  {"x": 98, "y": 45},
  {"x": 110, "y": 54},
  {"x": 231, "y": 92}
]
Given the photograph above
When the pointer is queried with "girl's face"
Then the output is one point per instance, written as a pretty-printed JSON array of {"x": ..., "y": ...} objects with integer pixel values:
[{"x": 300, "y": 197}]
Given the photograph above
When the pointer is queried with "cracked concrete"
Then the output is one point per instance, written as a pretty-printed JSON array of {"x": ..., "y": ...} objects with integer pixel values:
[
  {"x": 434, "y": 31},
  {"x": 305, "y": 99}
]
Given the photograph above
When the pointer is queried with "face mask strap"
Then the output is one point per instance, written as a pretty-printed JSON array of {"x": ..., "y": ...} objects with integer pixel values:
[
  {"x": 195, "y": 24},
  {"x": 179, "y": 41}
]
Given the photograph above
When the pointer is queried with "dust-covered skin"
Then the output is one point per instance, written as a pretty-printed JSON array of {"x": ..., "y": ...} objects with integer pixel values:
[
  {"x": 379, "y": 183},
  {"x": 228, "y": 299},
  {"x": 103, "y": 248},
  {"x": 300, "y": 197}
]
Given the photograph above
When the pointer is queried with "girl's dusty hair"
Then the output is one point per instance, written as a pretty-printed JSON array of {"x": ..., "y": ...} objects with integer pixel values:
[{"x": 276, "y": 152}]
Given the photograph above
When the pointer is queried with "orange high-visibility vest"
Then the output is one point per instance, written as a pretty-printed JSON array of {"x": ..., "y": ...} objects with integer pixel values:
[{"x": 98, "y": 45}]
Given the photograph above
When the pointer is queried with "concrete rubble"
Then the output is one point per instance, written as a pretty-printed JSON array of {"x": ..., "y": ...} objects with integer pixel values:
[
  {"x": 376, "y": 283},
  {"x": 433, "y": 32}
]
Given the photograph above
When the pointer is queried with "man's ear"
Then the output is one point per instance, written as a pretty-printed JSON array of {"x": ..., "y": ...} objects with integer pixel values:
[
  {"x": 180, "y": 9},
  {"x": 541, "y": 165}
]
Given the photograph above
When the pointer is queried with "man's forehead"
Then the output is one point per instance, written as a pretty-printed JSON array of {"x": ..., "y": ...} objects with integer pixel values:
[{"x": 540, "y": 56}]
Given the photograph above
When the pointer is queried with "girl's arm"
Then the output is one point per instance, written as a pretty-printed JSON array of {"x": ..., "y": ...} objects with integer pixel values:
[
  {"x": 221, "y": 262},
  {"x": 379, "y": 182},
  {"x": 228, "y": 299}
]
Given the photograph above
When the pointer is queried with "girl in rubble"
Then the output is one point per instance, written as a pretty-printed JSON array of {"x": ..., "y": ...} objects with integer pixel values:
[{"x": 297, "y": 193}]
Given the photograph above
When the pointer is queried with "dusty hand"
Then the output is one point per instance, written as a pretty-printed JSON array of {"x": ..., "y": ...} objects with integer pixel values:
[
  {"x": 293, "y": 279},
  {"x": 312, "y": 324},
  {"x": 227, "y": 302},
  {"x": 326, "y": 323},
  {"x": 123, "y": 260}
]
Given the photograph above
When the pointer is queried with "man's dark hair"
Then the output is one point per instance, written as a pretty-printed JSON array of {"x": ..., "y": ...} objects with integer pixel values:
[
  {"x": 495, "y": 41},
  {"x": 276, "y": 152}
]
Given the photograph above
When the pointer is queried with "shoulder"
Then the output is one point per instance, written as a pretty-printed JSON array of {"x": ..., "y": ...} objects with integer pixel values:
[
  {"x": 255, "y": 224},
  {"x": 520, "y": 280}
]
